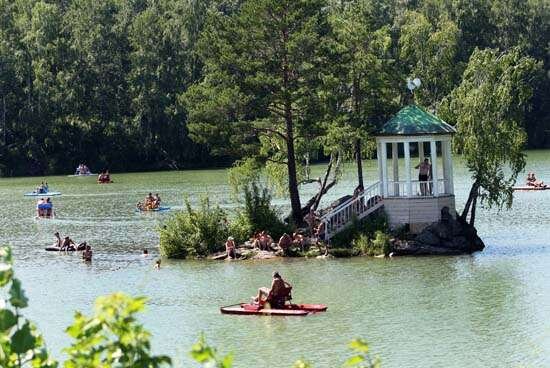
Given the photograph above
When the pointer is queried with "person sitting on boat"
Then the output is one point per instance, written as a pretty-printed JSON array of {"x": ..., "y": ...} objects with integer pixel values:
[
  {"x": 277, "y": 295},
  {"x": 58, "y": 242},
  {"x": 537, "y": 183},
  {"x": 104, "y": 177},
  {"x": 70, "y": 245},
  {"x": 285, "y": 241},
  {"x": 149, "y": 202},
  {"x": 156, "y": 200},
  {"x": 230, "y": 248},
  {"x": 530, "y": 182}
]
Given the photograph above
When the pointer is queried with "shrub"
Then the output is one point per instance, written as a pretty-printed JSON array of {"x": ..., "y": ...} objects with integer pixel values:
[
  {"x": 367, "y": 226},
  {"x": 194, "y": 233},
  {"x": 259, "y": 213},
  {"x": 112, "y": 336},
  {"x": 241, "y": 228},
  {"x": 378, "y": 245}
]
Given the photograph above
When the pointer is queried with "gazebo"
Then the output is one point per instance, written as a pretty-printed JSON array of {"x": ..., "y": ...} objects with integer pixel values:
[{"x": 417, "y": 133}]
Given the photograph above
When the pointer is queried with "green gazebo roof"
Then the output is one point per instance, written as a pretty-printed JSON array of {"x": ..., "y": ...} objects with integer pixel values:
[{"x": 414, "y": 120}]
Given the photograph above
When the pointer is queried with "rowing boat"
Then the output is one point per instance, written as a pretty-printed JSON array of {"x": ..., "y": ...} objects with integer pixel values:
[{"x": 288, "y": 310}]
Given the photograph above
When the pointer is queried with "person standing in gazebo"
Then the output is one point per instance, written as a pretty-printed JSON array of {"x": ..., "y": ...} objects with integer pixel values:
[{"x": 424, "y": 171}]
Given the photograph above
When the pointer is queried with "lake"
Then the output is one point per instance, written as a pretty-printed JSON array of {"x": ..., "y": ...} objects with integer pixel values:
[{"x": 490, "y": 309}]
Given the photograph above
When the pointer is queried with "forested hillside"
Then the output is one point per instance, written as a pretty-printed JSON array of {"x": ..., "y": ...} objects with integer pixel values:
[{"x": 114, "y": 83}]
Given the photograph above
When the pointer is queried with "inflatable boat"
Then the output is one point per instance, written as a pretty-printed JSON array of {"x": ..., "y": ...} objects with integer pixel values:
[{"x": 47, "y": 194}]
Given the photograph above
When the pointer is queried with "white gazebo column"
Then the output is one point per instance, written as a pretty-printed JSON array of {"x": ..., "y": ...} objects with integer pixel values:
[
  {"x": 379, "y": 158},
  {"x": 433, "y": 152},
  {"x": 384, "y": 154},
  {"x": 420, "y": 151},
  {"x": 406, "y": 149},
  {"x": 449, "y": 187},
  {"x": 395, "y": 164}
]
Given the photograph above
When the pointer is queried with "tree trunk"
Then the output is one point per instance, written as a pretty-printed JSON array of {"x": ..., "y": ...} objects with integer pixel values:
[
  {"x": 472, "y": 197},
  {"x": 292, "y": 178},
  {"x": 473, "y": 212},
  {"x": 358, "y": 158},
  {"x": 295, "y": 204}
]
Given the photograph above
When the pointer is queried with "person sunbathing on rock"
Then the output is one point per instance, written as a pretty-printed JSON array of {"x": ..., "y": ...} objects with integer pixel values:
[{"x": 285, "y": 242}]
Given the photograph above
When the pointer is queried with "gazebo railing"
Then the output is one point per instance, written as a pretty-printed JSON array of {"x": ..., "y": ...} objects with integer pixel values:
[
  {"x": 357, "y": 207},
  {"x": 419, "y": 188}
]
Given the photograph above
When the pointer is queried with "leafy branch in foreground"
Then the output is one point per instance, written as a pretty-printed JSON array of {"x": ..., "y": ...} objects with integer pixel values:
[{"x": 20, "y": 343}]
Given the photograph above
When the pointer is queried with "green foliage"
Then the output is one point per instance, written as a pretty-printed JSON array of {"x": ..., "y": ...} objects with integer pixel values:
[
  {"x": 202, "y": 353},
  {"x": 20, "y": 343},
  {"x": 378, "y": 245},
  {"x": 194, "y": 233},
  {"x": 368, "y": 227},
  {"x": 112, "y": 337},
  {"x": 429, "y": 52},
  {"x": 487, "y": 110},
  {"x": 361, "y": 359},
  {"x": 259, "y": 214},
  {"x": 210, "y": 358},
  {"x": 164, "y": 84}
]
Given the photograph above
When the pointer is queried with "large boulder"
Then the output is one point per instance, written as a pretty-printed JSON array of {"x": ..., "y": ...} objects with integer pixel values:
[{"x": 445, "y": 237}]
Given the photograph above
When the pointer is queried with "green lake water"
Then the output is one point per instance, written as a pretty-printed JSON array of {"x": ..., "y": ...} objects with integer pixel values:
[{"x": 490, "y": 309}]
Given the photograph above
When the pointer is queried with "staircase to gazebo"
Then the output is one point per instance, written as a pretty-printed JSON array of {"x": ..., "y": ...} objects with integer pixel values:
[{"x": 355, "y": 208}]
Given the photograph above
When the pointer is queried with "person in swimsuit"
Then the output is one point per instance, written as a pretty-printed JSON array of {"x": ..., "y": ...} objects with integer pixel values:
[
  {"x": 48, "y": 206},
  {"x": 230, "y": 248},
  {"x": 58, "y": 242},
  {"x": 278, "y": 288},
  {"x": 41, "y": 207},
  {"x": 285, "y": 242},
  {"x": 87, "y": 254},
  {"x": 68, "y": 244},
  {"x": 424, "y": 170}
]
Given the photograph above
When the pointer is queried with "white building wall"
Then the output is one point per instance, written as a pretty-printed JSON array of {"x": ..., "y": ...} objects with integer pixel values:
[{"x": 418, "y": 212}]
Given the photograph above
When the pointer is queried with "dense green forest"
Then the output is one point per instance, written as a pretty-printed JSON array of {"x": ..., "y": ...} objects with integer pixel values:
[{"x": 158, "y": 84}]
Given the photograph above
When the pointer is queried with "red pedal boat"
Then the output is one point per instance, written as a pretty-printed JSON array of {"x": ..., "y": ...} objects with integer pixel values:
[{"x": 288, "y": 310}]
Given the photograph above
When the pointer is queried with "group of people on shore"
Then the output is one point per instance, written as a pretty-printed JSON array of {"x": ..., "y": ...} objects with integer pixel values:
[
  {"x": 82, "y": 169},
  {"x": 104, "y": 177},
  {"x": 68, "y": 245},
  {"x": 263, "y": 241},
  {"x": 532, "y": 181},
  {"x": 44, "y": 208},
  {"x": 151, "y": 202}
]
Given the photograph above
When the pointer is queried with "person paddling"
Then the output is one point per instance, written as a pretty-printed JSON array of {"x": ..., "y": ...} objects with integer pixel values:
[{"x": 277, "y": 294}]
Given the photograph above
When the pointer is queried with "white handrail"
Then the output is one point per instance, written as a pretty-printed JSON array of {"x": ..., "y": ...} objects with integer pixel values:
[{"x": 359, "y": 206}]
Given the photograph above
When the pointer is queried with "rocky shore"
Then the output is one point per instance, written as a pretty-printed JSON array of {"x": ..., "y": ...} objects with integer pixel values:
[{"x": 449, "y": 236}]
